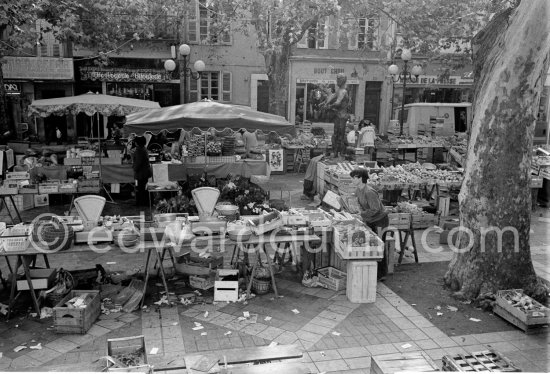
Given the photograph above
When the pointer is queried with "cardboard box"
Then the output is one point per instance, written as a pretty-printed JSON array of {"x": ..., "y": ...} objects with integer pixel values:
[
  {"x": 41, "y": 279},
  {"x": 41, "y": 200},
  {"x": 226, "y": 290}
]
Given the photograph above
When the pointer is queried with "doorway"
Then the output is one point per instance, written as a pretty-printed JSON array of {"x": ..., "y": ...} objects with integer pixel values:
[
  {"x": 263, "y": 96},
  {"x": 372, "y": 103},
  {"x": 51, "y": 123}
]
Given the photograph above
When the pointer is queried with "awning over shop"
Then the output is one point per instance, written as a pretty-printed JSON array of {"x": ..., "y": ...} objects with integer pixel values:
[{"x": 204, "y": 115}]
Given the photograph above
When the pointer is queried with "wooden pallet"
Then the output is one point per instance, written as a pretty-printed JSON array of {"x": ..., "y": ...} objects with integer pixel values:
[
  {"x": 528, "y": 329},
  {"x": 479, "y": 361}
]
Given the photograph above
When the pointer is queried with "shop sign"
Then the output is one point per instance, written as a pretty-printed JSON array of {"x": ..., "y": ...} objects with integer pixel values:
[
  {"x": 123, "y": 75},
  {"x": 47, "y": 68},
  {"x": 12, "y": 88},
  {"x": 324, "y": 81},
  {"x": 438, "y": 80},
  {"x": 329, "y": 71}
]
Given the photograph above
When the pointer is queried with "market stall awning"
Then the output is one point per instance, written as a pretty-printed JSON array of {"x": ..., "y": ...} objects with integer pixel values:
[
  {"x": 90, "y": 104},
  {"x": 204, "y": 115}
]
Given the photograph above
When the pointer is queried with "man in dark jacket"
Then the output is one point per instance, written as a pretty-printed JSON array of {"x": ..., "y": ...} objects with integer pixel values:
[{"x": 142, "y": 171}]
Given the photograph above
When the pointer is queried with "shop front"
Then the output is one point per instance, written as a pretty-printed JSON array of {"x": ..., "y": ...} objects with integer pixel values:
[
  {"x": 28, "y": 78},
  {"x": 133, "y": 78},
  {"x": 313, "y": 80}
]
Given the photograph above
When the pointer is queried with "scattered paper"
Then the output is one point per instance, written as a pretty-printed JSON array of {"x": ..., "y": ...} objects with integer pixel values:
[
  {"x": 206, "y": 314},
  {"x": 3, "y": 309},
  {"x": 437, "y": 307},
  {"x": 154, "y": 351},
  {"x": 175, "y": 323},
  {"x": 38, "y": 346},
  {"x": 467, "y": 302},
  {"x": 204, "y": 333},
  {"x": 198, "y": 324},
  {"x": 228, "y": 333},
  {"x": 273, "y": 344},
  {"x": 163, "y": 300},
  {"x": 295, "y": 311},
  {"x": 268, "y": 318},
  {"x": 335, "y": 333},
  {"x": 452, "y": 308},
  {"x": 323, "y": 353},
  {"x": 241, "y": 318},
  {"x": 19, "y": 348},
  {"x": 439, "y": 313},
  {"x": 246, "y": 314},
  {"x": 413, "y": 304},
  {"x": 198, "y": 328},
  {"x": 406, "y": 346},
  {"x": 475, "y": 320},
  {"x": 111, "y": 263},
  {"x": 46, "y": 312}
]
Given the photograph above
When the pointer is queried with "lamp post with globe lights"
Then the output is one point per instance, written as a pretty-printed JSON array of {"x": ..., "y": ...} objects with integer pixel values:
[
  {"x": 184, "y": 69},
  {"x": 405, "y": 75}
]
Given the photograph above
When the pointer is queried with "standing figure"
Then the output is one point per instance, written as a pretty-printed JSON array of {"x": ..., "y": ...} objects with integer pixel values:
[
  {"x": 142, "y": 171},
  {"x": 339, "y": 103},
  {"x": 58, "y": 136}
]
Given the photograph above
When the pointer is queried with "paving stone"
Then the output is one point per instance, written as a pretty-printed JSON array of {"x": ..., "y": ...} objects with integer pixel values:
[
  {"x": 426, "y": 344},
  {"x": 286, "y": 337},
  {"x": 128, "y": 317},
  {"x": 359, "y": 362},
  {"x": 527, "y": 344},
  {"x": 415, "y": 334},
  {"x": 490, "y": 337},
  {"x": 330, "y": 343},
  {"x": 24, "y": 361},
  {"x": 445, "y": 342},
  {"x": 79, "y": 339},
  {"x": 324, "y": 322},
  {"x": 435, "y": 354},
  {"x": 191, "y": 313},
  {"x": 340, "y": 309},
  {"x": 408, "y": 346},
  {"x": 408, "y": 311},
  {"x": 223, "y": 318},
  {"x": 329, "y": 354},
  {"x": 362, "y": 340},
  {"x": 316, "y": 329},
  {"x": 170, "y": 333},
  {"x": 534, "y": 354},
  {"x": 308, "y": 336},
  {"x": 271, "y": 333},
  {"x": 435, "y": 333},
  {"x": 403, "y": 323},
  {"x": 254, "y": 328},
  {"x": 152, "y": 333},
  {"x": 236, "y": 342},
  {"x": 420, "y": 321},
  {"x": 111, "y": 315},
  {"x": 353, "y": 352},
  {"x": 381, "y": 349},
  {"x": 465, "y": 339},
  {"x": 97, "y": 330},
  {"x": 44, "y": 355},
  {"x": 202, "y": 345},
  {"x": 259, "y": 341},
  {"x": 333, "y": 365},
  {"x": 331, "y": 316},
  {"x": 61, "y": 345},
  {"x": 357, "y": 371},
  {"x": 173, "y": 345}
]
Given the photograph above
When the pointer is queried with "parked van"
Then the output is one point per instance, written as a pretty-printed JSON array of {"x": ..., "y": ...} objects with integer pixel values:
[{"x": 438, "y": 119}]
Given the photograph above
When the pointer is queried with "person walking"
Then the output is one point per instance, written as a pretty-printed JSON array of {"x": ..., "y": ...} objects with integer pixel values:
[{"x": 142, "y": 171}]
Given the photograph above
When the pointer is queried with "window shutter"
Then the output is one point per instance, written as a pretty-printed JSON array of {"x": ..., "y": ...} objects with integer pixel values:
[
  {"x": 322, "y": 41},
  {"x": 193, "y": 90},
  {"x": 192, "y": 22},
  {"x": 226, "y": 37},
  {"x": 226, "y": 86},
  {"x": 56, "y": 50},
  {"x": 352, "y": 34},
  {"x": 374, "y": 28},
  {"x": 44, "y": 49}
]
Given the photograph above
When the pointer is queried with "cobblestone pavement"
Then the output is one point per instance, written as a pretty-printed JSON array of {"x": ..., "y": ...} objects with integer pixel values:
[{"x": 336, "y": 335}]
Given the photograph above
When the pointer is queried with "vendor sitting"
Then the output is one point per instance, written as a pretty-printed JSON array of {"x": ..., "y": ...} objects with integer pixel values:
[{"x": 373, "y": 213}]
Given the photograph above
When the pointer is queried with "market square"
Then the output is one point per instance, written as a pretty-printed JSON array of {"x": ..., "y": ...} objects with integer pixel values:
[{"x": 195, "y": 187}]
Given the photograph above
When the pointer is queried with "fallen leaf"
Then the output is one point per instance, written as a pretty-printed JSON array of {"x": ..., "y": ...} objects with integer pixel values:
[
  {"x": 437, "y": 307},
  {"x": 452, "y": 308},
  {"x": 475, "y": 320},
  {"x": 439, "y": 313},
  {"x": 38, "y": 346},
  {"x": 19, "y": 348}
]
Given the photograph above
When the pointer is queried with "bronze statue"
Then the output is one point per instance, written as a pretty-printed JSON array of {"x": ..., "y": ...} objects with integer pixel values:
[{"x": 339, "y": 103}]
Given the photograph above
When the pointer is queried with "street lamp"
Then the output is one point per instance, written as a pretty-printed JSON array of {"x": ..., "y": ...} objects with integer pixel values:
[
  {"x": 184, "y": 69},
  {"x": 404, "y": 76}
]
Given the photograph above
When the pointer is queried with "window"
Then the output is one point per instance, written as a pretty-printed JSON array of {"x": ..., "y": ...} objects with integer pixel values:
[
  {"x": 316, "y": 37},
  {"x": 364, "y": 33},
  {"x": 212, "y": 85},
  {"x": 201, "y": 21}
]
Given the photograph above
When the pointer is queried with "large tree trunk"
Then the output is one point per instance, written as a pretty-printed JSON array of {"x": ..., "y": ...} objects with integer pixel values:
[
  {"x": 509, "y": 70},
  {"x": 277, "y": 65}
]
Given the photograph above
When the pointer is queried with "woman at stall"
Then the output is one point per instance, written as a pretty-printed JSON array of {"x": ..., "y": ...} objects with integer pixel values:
[{"x": 373, "y": 213}]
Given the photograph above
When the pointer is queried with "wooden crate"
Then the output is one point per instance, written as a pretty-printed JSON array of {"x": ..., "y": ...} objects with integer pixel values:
[
  {"x": 374, "y": 249},
  {"x": 400, "y": 221},
  {"x": 541, "y": 315},
  {"x": 361, "y": 282},
  {"x": 478, "y": 361},
  {"x": 332, "y": 278},
  {"x": 76, "y": 320},
  {"x": 423, "y": 220},
  {"x": 395, "y": 362},
  {"x": 129, "y": 345}
]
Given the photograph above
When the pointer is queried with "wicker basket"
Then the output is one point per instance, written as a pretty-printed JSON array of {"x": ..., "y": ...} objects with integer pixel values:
[
  {"x": 58, "y": 236},
  {"x": 261, "y": 286},
  {"x": 66, "y": 277}
]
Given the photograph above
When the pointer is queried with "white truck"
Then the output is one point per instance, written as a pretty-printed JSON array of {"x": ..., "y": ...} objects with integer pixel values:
[{"x": 438, "y": 119}]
